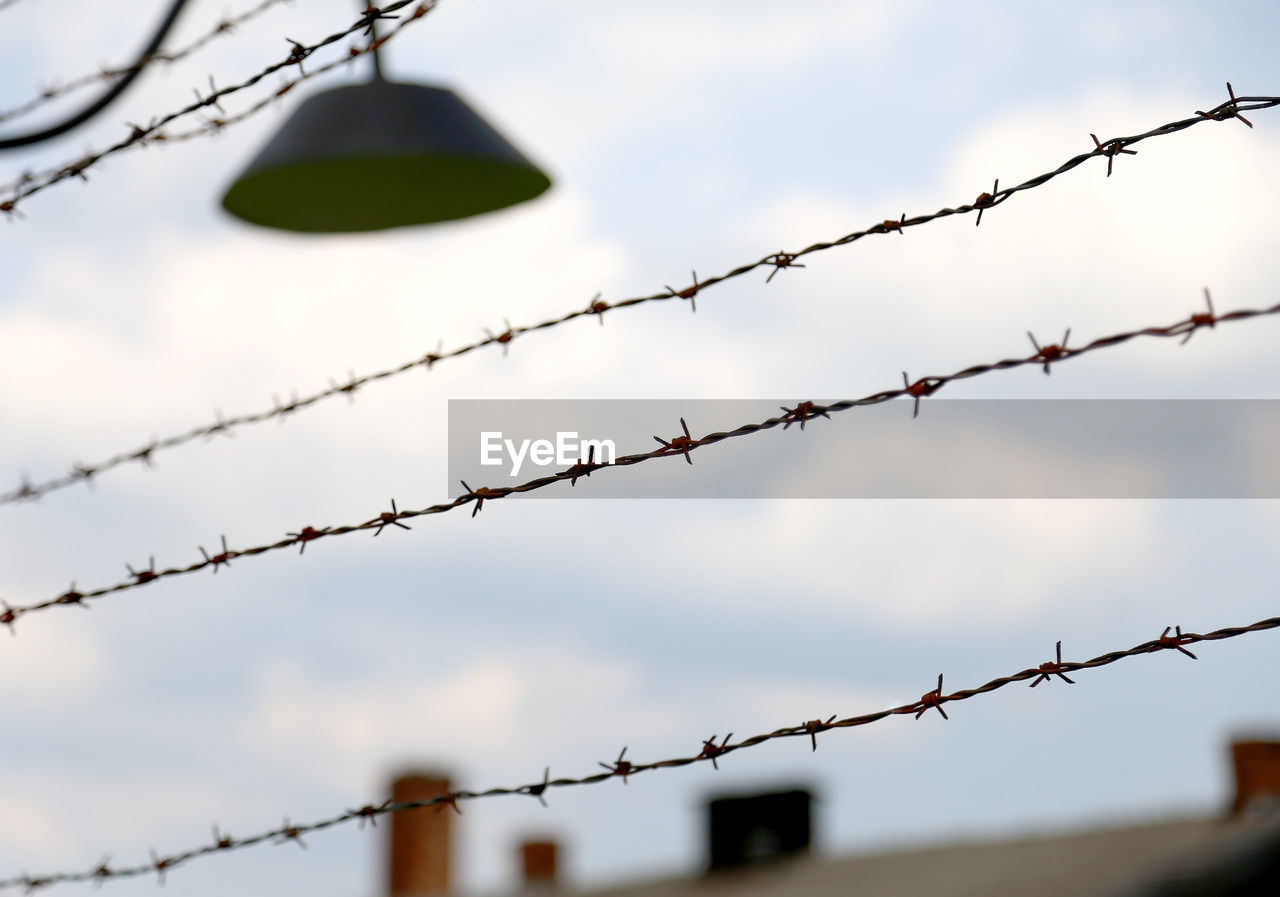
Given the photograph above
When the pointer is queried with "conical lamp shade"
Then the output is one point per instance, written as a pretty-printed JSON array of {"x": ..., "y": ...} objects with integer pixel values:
[{"x": 379, "y": 155}]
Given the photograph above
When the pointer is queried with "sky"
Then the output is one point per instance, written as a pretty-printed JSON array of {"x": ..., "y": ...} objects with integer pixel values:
[{"x": 680, "y": 136}]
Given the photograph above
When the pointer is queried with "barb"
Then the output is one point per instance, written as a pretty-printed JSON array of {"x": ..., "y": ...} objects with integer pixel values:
[
  {"x": 28, "y": 185},
  {"x": 1111, "y": 149},
  {"x": 681, "y": 445},
  {"x": 28, "y": 491},
  {"x": 1056, "y": 667},
  {"x": 1052, "y": 351},
  {"x": 710, "y": 750},
  {"x": 1230, "y": 109},
  {"x": 225, "y": 25}
]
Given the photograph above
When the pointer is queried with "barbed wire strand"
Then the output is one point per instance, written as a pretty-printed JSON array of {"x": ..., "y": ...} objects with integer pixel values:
[
  {"x": 226, "y": 25},
  {"x": 29, "y": 185},
  {"x": 28, "y": 491},
  {"x": 214, "y": 125},
  {"x": 141, "y": 137},
  {"x": 209, "y": 127},
  {"x": 711, "y": 750},
  {"x": 682, "y": 445}
]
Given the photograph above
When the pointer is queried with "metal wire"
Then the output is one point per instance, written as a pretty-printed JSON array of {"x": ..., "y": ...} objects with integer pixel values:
[
  {"x": 711, "y": 750},
  {"x": 27, "y": 490},
  {"x": 225, "y": 26},
  {"x": 682, "y": 445},
  {"x": 28, "y": 185},
  {"x": 104, "y": 99}
]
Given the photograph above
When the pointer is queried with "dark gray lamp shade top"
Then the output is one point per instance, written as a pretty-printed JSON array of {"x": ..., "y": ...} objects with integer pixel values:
[{"x": 380, "y": 155}]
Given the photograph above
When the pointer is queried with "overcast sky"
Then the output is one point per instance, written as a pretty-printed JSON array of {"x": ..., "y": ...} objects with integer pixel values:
[{"x": 680, "y": 135}]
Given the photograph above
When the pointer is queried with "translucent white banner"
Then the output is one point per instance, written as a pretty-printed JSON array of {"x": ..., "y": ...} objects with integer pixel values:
[{"x": 968, "y": 449}]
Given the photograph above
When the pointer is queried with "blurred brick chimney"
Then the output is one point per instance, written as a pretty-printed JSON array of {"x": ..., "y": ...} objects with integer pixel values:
[
  {"x": 1257, "y": 769},
  {"x": 420, "y": 843},
  {"x": 539, "y": 864}
]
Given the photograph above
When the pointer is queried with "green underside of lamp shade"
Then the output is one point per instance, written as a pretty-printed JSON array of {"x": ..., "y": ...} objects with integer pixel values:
[
  {"x": 379, "y": 155},
  {"x": 354, "y": 194}
]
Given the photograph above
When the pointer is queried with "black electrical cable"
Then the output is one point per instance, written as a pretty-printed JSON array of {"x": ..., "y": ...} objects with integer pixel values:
[{"x": 108, "y": 97}]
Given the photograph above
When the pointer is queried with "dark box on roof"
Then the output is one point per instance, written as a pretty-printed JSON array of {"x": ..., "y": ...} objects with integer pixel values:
[{"x": 761, "y": 828}]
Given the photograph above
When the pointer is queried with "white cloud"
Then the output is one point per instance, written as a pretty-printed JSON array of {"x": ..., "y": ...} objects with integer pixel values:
[
  {"x": 932, "y": 564},
  {"x": 31, "y": 824},
  {"x": 467, "y": 714},
  {"x": 1113, "y": 29},
  {"x": 184, "y": 328},
  {"x": 55, "y": 669},
  {"x": 1088, "y": 252}
]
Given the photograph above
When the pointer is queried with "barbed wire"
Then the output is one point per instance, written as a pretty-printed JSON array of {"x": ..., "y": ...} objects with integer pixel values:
[
  {"x": 29, "y": 184},
  {"x": 28, "y": 491},
  {"x": 209, "y": 127},
  {"x": 225, "y": 25},
  {"x": 682, "y": 445},
  {"x": 711, "y": 750}
]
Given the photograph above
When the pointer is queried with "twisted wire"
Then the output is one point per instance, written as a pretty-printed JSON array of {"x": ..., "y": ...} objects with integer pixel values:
[
  {"x": 225, "y": 26},
  {"x": 28, "y": 185},
  {"x": 27, "y": 491},
  {"x": 682, "y": 446},
  {"x": 711, "y": 751}
]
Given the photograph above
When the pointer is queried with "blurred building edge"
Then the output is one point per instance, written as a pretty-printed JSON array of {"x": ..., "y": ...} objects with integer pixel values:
[{"x": 759, "y": 846}]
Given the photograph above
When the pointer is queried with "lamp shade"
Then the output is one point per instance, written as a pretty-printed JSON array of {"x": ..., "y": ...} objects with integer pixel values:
[{"x": 380, "y": 155}]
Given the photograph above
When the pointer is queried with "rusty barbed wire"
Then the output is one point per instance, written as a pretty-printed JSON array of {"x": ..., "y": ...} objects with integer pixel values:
[
  {"x": 1108, "y": 149},
  {"x": 682, "y": 445},
  {"x": 209, "y": 126},
  {"x": 225, "y": 25},
  {"x": 27, "y": 490},
  {"x": 28, "y": 185},
  {"x": 709, "y": 750}
]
